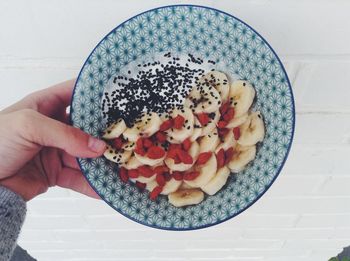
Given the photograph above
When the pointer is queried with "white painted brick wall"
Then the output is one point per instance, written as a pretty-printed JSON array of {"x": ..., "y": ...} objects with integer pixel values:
[{"x": 305, "y": 216}]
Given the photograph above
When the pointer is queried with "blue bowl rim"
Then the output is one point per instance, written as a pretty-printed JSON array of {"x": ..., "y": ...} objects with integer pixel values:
[{"x": 290, "y": 143}]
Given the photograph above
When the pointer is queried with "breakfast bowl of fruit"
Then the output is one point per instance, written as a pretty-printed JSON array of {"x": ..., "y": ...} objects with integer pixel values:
[{"x": 197, "y": 112}]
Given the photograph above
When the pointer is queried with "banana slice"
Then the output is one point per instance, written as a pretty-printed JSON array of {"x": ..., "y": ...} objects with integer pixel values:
[
  {"x": 184, "y": 185},
  {"x": 193, "y": 151},
  {"x": 171, "y": 186},
  {"x": 132, "y": 163},
  {"x": 147, "y": 161},
  {"x": 237, "y": 121},
  {"x": 220, "y": 82},
  {"x": 217, "y": 182},
  {"x": 211, "y": 100},
  {"x": 252, "y": 131},
  {"x": 229, "y": 141},
  {"x": 186, "y": 197},
  {"x": 211, "y": 125},
  {"x": 242, "y": 93},
  {"x": 241, "y": 157},
  {"x": 115, "y": 129},
  {"x": 207, "y": 172},
  {"x": 209, "y": 142},
  {"x": 197, "y": 130},
  {"x": 118, "y": 157},
  {"x": 187, "y": 130},
  {"x": 146, "y": 126}
]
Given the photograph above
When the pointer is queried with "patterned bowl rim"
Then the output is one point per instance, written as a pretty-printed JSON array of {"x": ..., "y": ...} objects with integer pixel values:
[{"x": 290, "y": 141}]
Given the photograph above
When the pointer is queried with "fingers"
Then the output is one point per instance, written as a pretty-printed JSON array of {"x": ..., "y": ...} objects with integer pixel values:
[
  {"x": 37, "y": 128},
  {"x": 74, "y": 180},
  {"x": 69, "y": 161}
]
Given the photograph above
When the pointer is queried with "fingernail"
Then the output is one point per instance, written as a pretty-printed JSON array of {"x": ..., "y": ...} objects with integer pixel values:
[{"x": 96, "y": 145}]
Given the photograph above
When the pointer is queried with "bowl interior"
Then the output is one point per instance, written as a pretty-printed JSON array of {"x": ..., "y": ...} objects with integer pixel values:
[{"x": 211, "y": 34}]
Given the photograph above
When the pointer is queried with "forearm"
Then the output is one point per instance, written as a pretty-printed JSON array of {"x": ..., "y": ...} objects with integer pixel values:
[{"x": 12, "y": 214}]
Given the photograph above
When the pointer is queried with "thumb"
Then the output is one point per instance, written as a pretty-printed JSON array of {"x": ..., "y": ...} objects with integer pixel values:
[{"x": 45, "y": 131}]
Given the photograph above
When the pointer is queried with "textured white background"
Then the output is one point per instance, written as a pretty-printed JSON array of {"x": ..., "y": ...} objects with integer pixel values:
[{"x": 306, "y": 213}]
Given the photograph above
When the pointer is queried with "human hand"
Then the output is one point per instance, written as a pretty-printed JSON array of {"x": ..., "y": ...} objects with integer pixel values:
[{"x": 37, "y": 147}]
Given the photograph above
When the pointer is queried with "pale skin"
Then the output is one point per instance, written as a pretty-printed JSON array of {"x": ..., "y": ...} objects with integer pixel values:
[{"x": 38, "y": 147}]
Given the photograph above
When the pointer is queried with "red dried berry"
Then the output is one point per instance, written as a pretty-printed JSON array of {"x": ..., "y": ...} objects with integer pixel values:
[
  {"x": 155, "y": 192},
  {"x": 133, "y": 173},
  {"x": 191, "y": 175},
  {"x": 145, "y": 171},
  {"x": 139, "y": 143},
  {"x": 230, "y": 113},
  {"x": 237, "y": 133},
  {"x": 123, "y": 174},
  {"x": 203, "y": 118},
  {"x": 147, "y": 143},
  {"x": 160, "y": 179},
  {"x": 160, "y": 169},
  {"x": 203, "y": 157},
  {"x": 178, "y": 122},
  {"x": 167, "y": 176},
  {"x": 177, "y": 160},
  {"x": 184, "y": 157},
  {"x": 220, "y": 158},
  {"x": 118, "y": 143},
  {"x": 224, "y": 107},
  {"x": 140, "y": 185},
  {"x": 161, "y": 136},
  {"x": 166, "y": 125},
  {"x": 171, "y": 153},
  {"x": 177, "y": 175},
  {"x": 140, "y": 151},
  {"x": 174, "y": 146},
  {"x": 186, "y": 145},
  {"x": 222, "y": 124},
  {"x": 155, "y": 152},
  {"x": 223, "y": 132},
  {"x": 228, "y": 155}
]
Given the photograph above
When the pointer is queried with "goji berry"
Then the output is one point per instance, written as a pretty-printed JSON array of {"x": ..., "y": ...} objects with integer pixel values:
[
  {"x": 203, "y": 157},
  {"x": 155, "y": 152},
  {"x": 123, "y": 174},
  {"x": 184, "y": 157},
  {"x": 222, "y": 124},
  {"x": 228, "y": 155},
  {"x": 166, "y": 125},
  {"x": 155, "y": 192},
  {"x": 140, "y": 151},
  {"x": 171, "y": 153},
  {"x": 178, "y": 122},
  {"x": 203, "y": 118},
  {"x": 118, "y": 143},
  {"x": 191, "y": 175},
  {"x": 139, "y": 143},
  {"x": 160, "y": 169},
  {"x": 224, "y": 107},
  {"x": 133, "y": 173},
  {"x": 167, "y": 176},
  {"x": 145, "y": 171},
  {"x": 177, "y": 175},
  {"x": 230, "y": 113},
  {"x": 161, "y": 136},
  {"x": 220, "y": 158},
  {"x": 160, "y": 179},
  {"x": 223, "y": 132},
  {"x": 147, "y": 143},
  {"x": 186, "y": 145},
  {"x": 177, "y": 160},
  {"x": 140, "y": 185},
  {"x": 174, "y": 146},
  {"x": 237, "y": 133}
]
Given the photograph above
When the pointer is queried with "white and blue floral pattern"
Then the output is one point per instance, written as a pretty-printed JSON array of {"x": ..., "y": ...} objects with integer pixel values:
[{"x": 211, "y": 34}]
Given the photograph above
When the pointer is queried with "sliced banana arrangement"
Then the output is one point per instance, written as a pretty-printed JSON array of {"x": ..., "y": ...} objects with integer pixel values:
[{"x": 190, "y": 150}]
